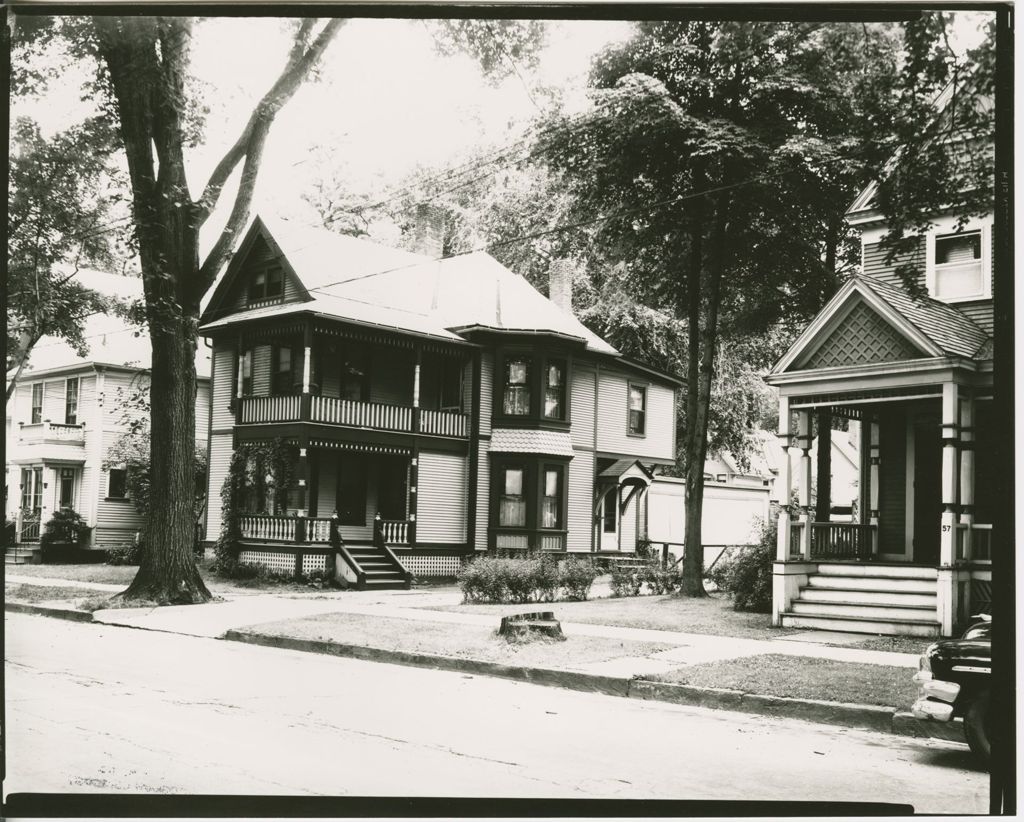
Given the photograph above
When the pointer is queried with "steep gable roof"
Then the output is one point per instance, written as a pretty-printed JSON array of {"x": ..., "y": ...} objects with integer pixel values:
[{"x": 364, "y": 282}]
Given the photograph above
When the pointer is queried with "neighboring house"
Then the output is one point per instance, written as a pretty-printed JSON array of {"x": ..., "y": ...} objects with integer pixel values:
[
  {"x": 917, "y": 375},
  {"x": 439, "y": 407},
  {"x": 65, "y": 415}
]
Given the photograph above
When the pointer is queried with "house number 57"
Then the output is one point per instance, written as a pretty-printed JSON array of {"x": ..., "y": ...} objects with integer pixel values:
[{"x": 946, "y": 528}]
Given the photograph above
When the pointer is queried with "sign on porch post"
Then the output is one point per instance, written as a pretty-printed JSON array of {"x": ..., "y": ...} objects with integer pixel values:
[{"x": 950, "y": 425}]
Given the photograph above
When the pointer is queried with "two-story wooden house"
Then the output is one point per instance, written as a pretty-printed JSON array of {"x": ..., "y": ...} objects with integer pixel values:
[
  {"x": 444, "y": 405},
  {"x": 65, "y": 415},
  {"x": 917, "y": 374}
]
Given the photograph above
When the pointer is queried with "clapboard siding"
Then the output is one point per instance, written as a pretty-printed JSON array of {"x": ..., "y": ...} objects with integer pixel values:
[
  {"x": 982, "y": 312},
  {"x": 53, "y": 400},
  {"x": 628, "y": 525},
  {"x": 202, "y": 413},
  {"x": 483, "y": 484},
  {"x": 441, "y": 493},
  {"x": 224, "y": 365},
  {"x": 582, "y": 408},
  {"x": 261, "y": 356},
  {"x": 892, "y": 485},
  {"x": 220, "y": 463},
  {"x": 612, "y": 418},
  {"x": 580, "y": 517},
  {"x": 486, "y": 392}
]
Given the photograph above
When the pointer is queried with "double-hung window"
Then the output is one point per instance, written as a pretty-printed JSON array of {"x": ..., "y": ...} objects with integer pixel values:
[
  {"x": 117, "y": 483},
  {"x": 266, "y": 284},
  {"x": 637, "y": 410},
  {"x": 957, "y": 265},
  {"x": 37, "y": 403},
  {"x": 284, "y": 380},
  {"x": 512, "y": 503},
  {"x": 71, "y": 401},
  {"x": 246, "y": 371},
  {"x": 517, "y": 386},
  {"x": 551, "y": 514},
  {"x": 554, "y": 390}
]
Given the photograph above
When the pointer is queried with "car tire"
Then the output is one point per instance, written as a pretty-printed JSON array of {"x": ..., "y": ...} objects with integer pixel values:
[{"x": 977, "y": 726}]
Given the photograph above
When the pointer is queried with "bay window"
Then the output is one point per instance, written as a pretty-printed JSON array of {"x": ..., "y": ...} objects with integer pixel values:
[
  {"x": 517, "y": 387},
  {"x": 512, "y": 504},
  {"x": 531, "y": 388},
  {"x": 554, "y": 390},
  {"x": 529, "y": 499},
  {"x": 551, "y": 515}
]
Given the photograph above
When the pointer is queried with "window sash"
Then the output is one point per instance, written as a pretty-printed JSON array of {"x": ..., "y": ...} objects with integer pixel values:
[
  {"x": 67, "y": 488},
  {"x": 71, "y": 401},
  {"x": 637, "y": 409},
  {"x": 37, "y": 403},
  {"x": 551, "y": 502},
  {"x": 512, "y": 511},
  {"x": 117, "y": 483}
]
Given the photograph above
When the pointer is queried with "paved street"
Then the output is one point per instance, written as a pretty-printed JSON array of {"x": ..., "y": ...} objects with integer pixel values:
[{"x": 102, "y": 708}]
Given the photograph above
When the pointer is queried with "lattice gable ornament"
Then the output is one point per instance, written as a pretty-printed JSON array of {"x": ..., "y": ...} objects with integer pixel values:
[{"x": 861, "y": 338}]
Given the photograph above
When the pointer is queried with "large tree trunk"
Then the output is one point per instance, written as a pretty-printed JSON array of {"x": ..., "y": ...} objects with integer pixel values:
[{"x": 167, "y": 572}]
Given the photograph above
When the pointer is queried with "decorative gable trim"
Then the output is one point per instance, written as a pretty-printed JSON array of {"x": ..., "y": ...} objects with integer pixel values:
[
  {"x": 854, "y": 292},
  {"x": 236, "y": 266}
]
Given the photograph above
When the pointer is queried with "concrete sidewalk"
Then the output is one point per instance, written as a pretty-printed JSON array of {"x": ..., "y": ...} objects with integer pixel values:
[{"x": 238, "y": 612}]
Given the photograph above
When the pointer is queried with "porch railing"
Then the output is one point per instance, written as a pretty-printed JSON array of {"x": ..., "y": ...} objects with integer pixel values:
[
  {"x": 28, "y": 527},
  {"x": 974, "y": 542},
  {"x": 361, "y": 414},
  {"x": 47, "y": 431},
  {"x": 840, "y": 540},
  {"x": 271, "y": 529},
  {"x": 395, "y": 531},
  {"x": 283, "y": 408},
  {"x": 796, "y": 529},
  {"x": 444, "y": 423}
]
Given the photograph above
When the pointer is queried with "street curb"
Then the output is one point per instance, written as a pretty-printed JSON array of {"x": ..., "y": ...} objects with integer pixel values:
[
  {"x": 905, "y": 723},
  {"x": 870, "y": 717},
  {"x": 574, "y": 680},
  {"x": 44, "y": 610}
]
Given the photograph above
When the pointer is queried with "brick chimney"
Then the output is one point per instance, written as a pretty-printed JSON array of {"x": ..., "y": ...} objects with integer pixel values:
[
  {"x": 428, "y": 231},
  {"x": 560, "y": 274}
]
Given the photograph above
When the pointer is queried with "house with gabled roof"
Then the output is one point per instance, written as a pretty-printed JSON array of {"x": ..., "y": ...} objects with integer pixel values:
[
  {"x": 432, "y": 409},
  {"x": 916, "y": 373}
]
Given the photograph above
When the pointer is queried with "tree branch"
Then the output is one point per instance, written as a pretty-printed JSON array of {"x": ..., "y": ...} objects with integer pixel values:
[{"x": 301, "y": 61}]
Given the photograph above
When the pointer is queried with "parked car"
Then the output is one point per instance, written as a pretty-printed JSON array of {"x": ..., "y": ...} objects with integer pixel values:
[{"x": 955, "y": 680}]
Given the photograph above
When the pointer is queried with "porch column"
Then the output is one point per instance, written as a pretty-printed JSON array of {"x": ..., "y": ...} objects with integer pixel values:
[
  {"x": 823, "y": 422},
  {"x": 240, "y": 379},
  {"x": 871, "y": 430},
  {"x": 967, "y": 470},
  {"x": 414, "y": 464},
  {"x": 804, "y": 437},
  {"x": 302, "y": 476},
  {"x": 305, "y": 401},
  {"x": 950, "y": 410},
  {"x": 785, "y": 487}
]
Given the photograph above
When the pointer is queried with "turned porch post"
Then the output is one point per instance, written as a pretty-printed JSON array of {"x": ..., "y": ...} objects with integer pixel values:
[
  {"x": 785, "y": 483},
  {"x": 871, "y": 431},
  {"x": 804, "y": 437},
  {"x": 967, "y": 470},
  {"x": 305, "y": 400},
  {"x": 950, "y": 425}
]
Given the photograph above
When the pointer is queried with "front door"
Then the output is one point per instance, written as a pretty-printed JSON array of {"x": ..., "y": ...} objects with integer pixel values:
[
  {"x": 392, "y": 488},
  {"x": 927, "y": 490},
  {"x": 609, "y": 530}
]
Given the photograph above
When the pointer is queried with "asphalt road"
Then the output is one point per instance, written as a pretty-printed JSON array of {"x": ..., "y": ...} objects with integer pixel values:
[{"x": 107, "y": 709}]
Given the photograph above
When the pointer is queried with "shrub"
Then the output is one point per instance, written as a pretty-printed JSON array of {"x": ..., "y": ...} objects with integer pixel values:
[
  {"x": 520, "y": 578},
  {"x": 576, "y": 576},
  {"x": 546, "y": 581},
  {"x": 482, "y": 580},
  {"x": 65, "y": 526},
  {"x": 747, "y": 577},
  {"x": 625, "y": 582},
  {"x": 129, "y": 554}
]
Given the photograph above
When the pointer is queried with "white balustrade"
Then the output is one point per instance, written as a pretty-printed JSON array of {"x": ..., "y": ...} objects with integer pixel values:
[
  {"x": 444, "y": 423},
  {"x": 318, "y": 530},
  {"x": 284, "y": 408},
  {"x": 47, "y": 431},
  {"x": 361, "y": 414},
  {"x": 395, "y": 531},
  {"x": 270, "y": 529}
]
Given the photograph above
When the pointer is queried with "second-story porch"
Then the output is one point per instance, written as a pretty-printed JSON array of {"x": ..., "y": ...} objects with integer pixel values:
[{"x": 340, "y": 376}]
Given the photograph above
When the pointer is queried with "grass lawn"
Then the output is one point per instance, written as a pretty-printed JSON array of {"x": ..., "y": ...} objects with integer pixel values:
[
  {"x": 45, "y": 593},
  {"x": 897, "y": 644},
  {"x": 708, "y": 615},
  {"x": 465, "y": 641},
  {"x": 803, "y": 678}
]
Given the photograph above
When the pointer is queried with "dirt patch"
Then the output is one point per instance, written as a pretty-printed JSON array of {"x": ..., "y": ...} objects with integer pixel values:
[
  {"x": 464, "y": 641},
  {"x": 803, "y": 678},
  {"x": 46, "y": 593},
  {"x": 713, "y": 615}
]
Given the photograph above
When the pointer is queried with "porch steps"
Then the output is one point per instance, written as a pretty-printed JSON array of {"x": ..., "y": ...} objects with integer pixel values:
[
  {"x": 18, "y": 556},
  {"x": 380, "y": 571},
  {"x": 876, "y": 598}
]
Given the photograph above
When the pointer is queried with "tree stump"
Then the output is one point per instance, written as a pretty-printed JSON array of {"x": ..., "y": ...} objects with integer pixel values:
[{"x": 530, "y": 626}]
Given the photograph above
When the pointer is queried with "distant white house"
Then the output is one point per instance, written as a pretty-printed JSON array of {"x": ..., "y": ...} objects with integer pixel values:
[{"x": 65, "y": 415}]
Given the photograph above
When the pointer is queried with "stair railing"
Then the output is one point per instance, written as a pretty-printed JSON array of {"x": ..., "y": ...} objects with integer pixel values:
[
  {"x": 381, "y": 543},
  {"x": 338, "y": 546}
]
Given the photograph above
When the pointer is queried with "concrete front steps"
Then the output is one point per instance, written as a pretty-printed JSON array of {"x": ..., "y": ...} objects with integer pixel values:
[
  {"x": 18, "y": 556},
  {"x": 871, "y": 598}
]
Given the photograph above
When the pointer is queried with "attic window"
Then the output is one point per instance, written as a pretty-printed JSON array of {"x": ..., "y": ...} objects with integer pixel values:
[
  {"x": 266, "y": 284},
  {"x": 958, "y": 266}
]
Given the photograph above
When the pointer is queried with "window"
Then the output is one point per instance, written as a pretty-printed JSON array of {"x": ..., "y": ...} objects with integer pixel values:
[
  {"x": 517, "y": 387},
  {"x": 451, "y": 386},
  {"x": 512, "y": 504},
  {"x": 958, "y": 265},
  {"x": 554, "y": 390},
  {"x": 246, "y": 371},
  {"x": 355, "y": 374},
  {"x": 67, "y": 488},
  {"x": 266, "y": 283},
  {"x": 37, "y": 402},
  {"x": 637, "y": 409},
  {"x": 283, "y": 380},
  {"x": 608, "y": 520},
  {"x": 31, "y": 490},
  {"x": 117, "y": 483},
  {"x": 71, "y": 401},
  {"x": 551, "y": 502},
  {"x": 351, "y": 496}
]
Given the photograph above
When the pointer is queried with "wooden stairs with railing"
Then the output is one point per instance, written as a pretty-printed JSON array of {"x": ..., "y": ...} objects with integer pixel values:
[
  {"x": 376, "y": 569},
  {"x": 873, "y": 598}
]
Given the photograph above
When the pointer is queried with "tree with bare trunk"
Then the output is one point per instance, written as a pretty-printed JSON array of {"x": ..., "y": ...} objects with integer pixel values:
[{"x": 143, "y": 67}]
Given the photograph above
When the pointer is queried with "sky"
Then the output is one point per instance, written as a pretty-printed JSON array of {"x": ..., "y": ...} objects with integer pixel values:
[{"x": 385, "y": 102}]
